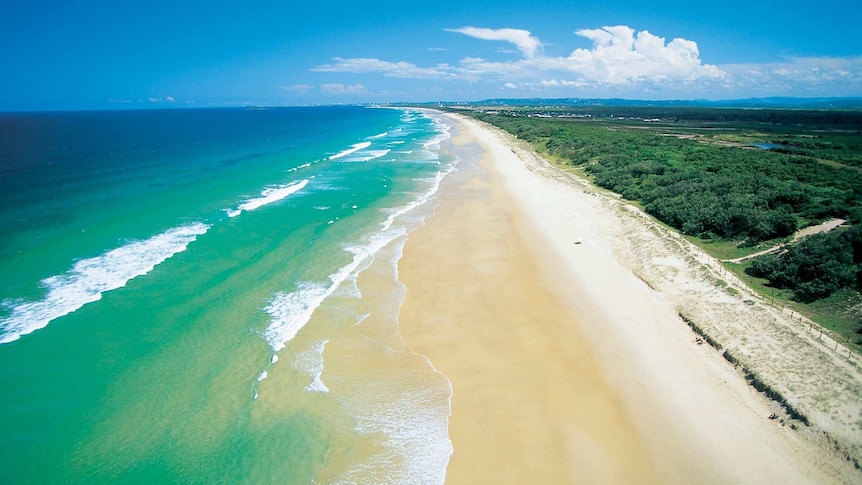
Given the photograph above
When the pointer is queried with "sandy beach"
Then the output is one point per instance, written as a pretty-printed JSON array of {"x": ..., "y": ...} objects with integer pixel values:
[{"x": 569, "y": 362}]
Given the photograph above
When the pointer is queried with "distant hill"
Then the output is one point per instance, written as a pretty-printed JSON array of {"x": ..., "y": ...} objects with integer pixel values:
[{"x": 772, "y": 102}]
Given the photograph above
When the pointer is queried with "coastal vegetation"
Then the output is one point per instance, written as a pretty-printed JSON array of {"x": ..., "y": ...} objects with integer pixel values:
[
  {"x": 734, "y": 181},
  {"x": 817, "y": 266}
]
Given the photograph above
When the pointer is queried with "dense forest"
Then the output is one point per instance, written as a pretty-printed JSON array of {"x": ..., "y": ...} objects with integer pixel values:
[
  {"x": 818, "y": 266},
  {"x": 703, "y": 189},
  {"x": 789, "y": 119},
  {"x": 708, "y": 178}
]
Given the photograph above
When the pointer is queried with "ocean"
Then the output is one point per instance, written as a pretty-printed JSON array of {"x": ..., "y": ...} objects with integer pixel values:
[{"x": 211, "y": 296}]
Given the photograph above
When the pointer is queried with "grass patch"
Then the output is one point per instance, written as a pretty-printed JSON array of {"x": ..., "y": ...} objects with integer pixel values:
[
  {"x": 720, "y": 283},
  {"x": 841, "y": 314},
  {"x": 759, "y": 285},
  {"x": 722, "y": 249}
]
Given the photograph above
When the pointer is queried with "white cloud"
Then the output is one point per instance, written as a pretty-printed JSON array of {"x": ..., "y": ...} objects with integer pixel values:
[
  {"x": 167, "y": 99},
  {"x": 622, "y": 61},
  {"x": 619, "y": 56},
  {"x": 561, "y": 82},
  {"x": 474, "y": 69},
  {"x": 335, "y": 88},
  {"x": 401, "y": 69},
  {"x": 547, "y": 85},
  {"x": 297, "y": 88},
  {"x": 523, "y": 39},
  {"x": 806, "y": 76}
]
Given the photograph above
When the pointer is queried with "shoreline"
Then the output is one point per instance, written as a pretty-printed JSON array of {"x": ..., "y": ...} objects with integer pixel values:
[{"x": 602, "y": 382}]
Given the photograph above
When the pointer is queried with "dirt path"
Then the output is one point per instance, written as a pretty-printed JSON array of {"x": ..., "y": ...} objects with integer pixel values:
[{"x": 802, "y": 233}]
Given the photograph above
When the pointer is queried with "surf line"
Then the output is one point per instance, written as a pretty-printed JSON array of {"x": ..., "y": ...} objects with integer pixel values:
[
  {"x": 353, "y": 148},
  {"x": 88, "y": 278},
  {"x": 268, "y": 196}
]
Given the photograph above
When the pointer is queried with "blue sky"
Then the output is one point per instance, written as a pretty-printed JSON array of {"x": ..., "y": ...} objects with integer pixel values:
[{"x": 81, "y": 54}]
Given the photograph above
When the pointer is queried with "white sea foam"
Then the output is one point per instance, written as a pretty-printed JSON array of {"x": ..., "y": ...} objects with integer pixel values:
[
  {"x": 89, "y": 278},
  {"x": 361, "y": 319},
  {"x": 354, "y": 148},
  {"x": 304, "y": 165},
  {"x": 379, "y": 135},
  {"x": 369, "y": 155},
  {"x": 290, "y": 312},
  {"x": 260, "y": 377},
  {"x": 268, "y": 196},
  {"x": 430, "y": 149},
  {"x": 417, "y": 445},
  {"x": 444, "y": 133},
  {"x": 311, "y": 362},
  {"x": 412, "y": 421}
]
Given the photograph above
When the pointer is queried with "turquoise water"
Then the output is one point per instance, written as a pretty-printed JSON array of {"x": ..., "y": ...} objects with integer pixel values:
[
  {"x": 774, "y": 146},
  {"x": 199, "y": 296}
]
